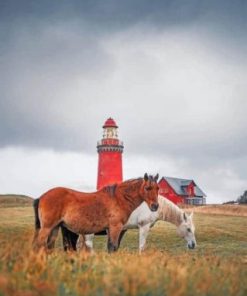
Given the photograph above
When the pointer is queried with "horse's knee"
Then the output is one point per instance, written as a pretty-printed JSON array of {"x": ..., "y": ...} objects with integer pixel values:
[
  {"x": 80, "y": 244},
  {"x": 42, "y": 238},
  {"x": 89, "y": 241},
  {"x": 113, "y": 237},
  {"x": 52, "y": 238},
  {"x": 51, "y": 243},
  {"x": 35, "y": 236}
]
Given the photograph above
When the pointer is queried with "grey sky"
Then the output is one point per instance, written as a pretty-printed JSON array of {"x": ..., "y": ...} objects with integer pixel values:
[{"x": 172, "y": 73}]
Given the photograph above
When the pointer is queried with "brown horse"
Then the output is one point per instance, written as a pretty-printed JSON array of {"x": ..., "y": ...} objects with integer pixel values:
[{"x": 85, "y": 213}]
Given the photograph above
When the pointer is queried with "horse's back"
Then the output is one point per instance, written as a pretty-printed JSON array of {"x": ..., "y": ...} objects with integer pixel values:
[
  {"x": 60, "y": 192},
  {"x": 61, "y": 197},
  {"x": 54, "y": 193}
]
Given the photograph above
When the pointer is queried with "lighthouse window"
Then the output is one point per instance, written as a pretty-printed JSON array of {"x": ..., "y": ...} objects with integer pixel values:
[{"x": 110, "y": 133}]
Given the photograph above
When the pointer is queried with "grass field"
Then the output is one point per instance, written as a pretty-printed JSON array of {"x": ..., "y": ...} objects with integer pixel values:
[{"x": 217, "y": 267}]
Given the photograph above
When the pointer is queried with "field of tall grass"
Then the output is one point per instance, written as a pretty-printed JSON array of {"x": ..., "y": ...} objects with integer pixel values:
[
  {"x": 226, "y": 209},
  {"x": 217, "y": 267}
]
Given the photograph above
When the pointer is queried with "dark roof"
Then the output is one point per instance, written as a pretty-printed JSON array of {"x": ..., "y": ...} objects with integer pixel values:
[{"x": 179, "y": 186}]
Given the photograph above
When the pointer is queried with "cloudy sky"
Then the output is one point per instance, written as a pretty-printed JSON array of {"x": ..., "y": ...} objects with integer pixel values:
[{"x": 171, "y": 73}]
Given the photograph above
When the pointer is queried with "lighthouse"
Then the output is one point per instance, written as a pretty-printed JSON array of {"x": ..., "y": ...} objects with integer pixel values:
[{"x": 110, "y": 151}]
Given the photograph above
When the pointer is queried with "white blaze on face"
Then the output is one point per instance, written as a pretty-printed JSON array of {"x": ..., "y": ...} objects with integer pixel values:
[{"x": 187, "y": 230}]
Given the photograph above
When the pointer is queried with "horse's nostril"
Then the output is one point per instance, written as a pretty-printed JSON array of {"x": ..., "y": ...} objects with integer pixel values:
[
  {"x": 192, "y": 245},
  {"x": 154, "y": 207}
]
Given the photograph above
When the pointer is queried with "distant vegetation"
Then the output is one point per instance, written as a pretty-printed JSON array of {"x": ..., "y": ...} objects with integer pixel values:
[
  {"x": 14, "y": 200},
  {"x": 243, "y": 198}
]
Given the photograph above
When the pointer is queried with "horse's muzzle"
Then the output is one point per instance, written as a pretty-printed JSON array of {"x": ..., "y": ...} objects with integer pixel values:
[
  {"x": 192, "y": 245},
  {"x": 154, "y": 207}
]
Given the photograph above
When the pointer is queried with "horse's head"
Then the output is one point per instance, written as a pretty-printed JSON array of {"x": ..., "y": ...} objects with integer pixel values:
[
  {"x": 149, "y": 191},
  {"x": 187, "y": 230}
]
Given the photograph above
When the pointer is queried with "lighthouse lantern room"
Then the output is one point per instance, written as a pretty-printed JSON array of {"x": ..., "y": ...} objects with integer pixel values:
[{"x": 110, "y": 151}]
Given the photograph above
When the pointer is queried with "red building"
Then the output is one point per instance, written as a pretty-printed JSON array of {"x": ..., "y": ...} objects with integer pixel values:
[
  {"x": 110, "y": 151},
  {"x": 181, "y": 191}
]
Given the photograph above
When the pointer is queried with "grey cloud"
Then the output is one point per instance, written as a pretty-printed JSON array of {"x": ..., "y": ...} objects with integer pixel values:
[
  {"x": 60, "y": 78},
  {"x": 112, "y": 14},
  {"x": 38, "y": 71},
  {"x": 172, "y": 74}
]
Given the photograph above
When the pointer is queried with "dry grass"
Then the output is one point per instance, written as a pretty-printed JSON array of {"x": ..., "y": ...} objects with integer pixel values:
[
  {"x": 217, "y": 267},
  {"x": 232, "y": 210}
]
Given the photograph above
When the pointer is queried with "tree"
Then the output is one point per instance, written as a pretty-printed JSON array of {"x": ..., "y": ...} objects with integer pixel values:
[{"x": 243, "y": 198}]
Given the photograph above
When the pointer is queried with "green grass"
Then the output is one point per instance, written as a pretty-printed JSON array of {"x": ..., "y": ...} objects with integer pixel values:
[{"x": 217, "y": 267}]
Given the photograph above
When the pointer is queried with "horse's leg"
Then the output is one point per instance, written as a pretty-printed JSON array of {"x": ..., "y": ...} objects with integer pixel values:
[
  {"x": 89, "y": 241},
  {"x": 81, "y": 244},
  {"x": 42, "y": 239},
  {"x": 52, "y": 238},
  {"x": 143, "y": 233},
  {"x": 37, "y": 221},
  {"x": 121, "y": 237},
  {"x": 35, "y": 237},
  {"x": 69, "y": 239},
  {"x": 65, "y": 238},
  {"x": 113, "y": 236}
]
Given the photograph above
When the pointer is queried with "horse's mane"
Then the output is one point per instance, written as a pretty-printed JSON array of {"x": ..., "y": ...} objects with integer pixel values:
[
  {"x": 111, "y": 189},
  {"x": 129, "y": 185},
  {"x": 169, "y": 211},
  {"x": 131, "y": 180}
]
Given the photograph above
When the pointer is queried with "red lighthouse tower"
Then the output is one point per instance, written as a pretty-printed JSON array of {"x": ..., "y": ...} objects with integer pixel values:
[{"x": 110, "y": 151}]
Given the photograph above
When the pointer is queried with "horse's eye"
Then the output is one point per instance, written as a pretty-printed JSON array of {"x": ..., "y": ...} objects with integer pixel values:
[
  {"x": 188, "y": 229},
  {"x": 148, "y": 188}
]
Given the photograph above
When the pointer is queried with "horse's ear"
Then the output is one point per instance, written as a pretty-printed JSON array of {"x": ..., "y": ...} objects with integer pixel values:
[
  {"x": 156, "y": 178},
  {"x": 191, "y": 215},
  {"x": 146, "y": 177},
  {"x": 185, "y": 217}
]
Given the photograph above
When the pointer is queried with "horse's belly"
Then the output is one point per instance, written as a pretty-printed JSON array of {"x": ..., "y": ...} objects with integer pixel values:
[
  {"x": 85, "y": 224},
  {"x": 84, "y": 228},
  {"x": 86, "y": 218}
]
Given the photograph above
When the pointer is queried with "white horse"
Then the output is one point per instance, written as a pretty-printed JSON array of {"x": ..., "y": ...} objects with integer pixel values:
[{"x": 143, "y": 219}]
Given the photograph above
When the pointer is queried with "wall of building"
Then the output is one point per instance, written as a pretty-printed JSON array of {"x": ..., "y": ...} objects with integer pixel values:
[
  {"x": 109, "y": 168},
  {"x": 167, "y": 191}
]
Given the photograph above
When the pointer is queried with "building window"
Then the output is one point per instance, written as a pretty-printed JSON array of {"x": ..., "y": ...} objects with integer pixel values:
[{"x": 194, "y": 201}]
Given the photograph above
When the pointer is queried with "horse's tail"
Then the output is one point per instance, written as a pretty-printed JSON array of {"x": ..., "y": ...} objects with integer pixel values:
[{"x": 36, "y": 213}]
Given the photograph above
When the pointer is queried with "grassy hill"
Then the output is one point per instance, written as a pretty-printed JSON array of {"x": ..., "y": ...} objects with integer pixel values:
[{"x": 15, "y": 200}]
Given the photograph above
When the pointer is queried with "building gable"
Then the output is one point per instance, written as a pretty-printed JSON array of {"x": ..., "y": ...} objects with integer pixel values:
[{"x": 181, "y": 186}]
